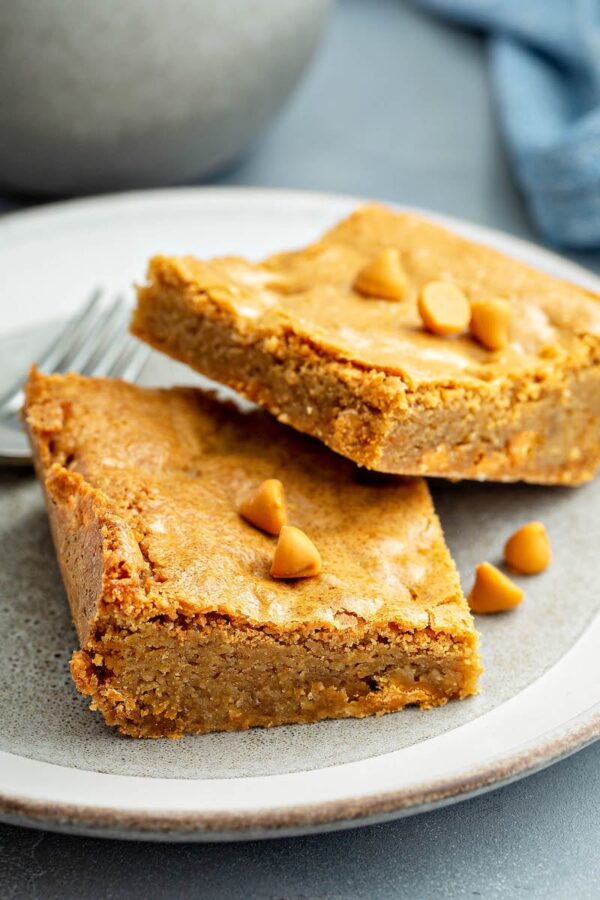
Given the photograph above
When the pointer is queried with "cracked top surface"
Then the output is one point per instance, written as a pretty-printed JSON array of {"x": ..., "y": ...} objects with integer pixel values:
[
  {"x": 309, "y": 292},
  {"x": 162, "y": 472}
]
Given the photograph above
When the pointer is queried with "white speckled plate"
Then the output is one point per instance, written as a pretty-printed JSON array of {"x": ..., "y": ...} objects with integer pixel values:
[{"x": 60, "y": 767}]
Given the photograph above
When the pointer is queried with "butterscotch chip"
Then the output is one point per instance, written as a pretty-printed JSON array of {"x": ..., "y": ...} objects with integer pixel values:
[
  {"x": 265, "y": 507},
  {"x": 490, "y": 322},
  {"x": 443, "y": 308},
  {"x": 528, "y": 550},
  {"x": 383, "y": 277},
  {"x": 295, "y": 555},
  {"x": 493, "y": 591}
]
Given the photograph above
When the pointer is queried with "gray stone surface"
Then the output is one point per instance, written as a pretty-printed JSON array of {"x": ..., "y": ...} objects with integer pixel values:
[{"x": 398, "y": 107}]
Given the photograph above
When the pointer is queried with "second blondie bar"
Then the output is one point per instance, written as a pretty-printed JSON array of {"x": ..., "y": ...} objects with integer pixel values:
[{"x": 349, "y": 361}]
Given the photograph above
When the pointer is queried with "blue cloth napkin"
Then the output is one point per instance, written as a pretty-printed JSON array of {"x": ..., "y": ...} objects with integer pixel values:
[{"x": 545, "y": 66}]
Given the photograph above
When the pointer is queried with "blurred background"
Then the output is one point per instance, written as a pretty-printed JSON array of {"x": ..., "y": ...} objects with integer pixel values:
[{"x": 487, "y": 110}]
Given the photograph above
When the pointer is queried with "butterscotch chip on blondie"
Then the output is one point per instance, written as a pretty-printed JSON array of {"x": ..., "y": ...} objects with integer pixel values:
[
  {"x": 181, "y": 626},
  {"x": 365, "y": 375}
]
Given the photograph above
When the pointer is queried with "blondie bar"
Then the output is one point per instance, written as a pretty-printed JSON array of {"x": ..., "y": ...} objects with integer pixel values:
[
  {"x": 181, "y": 627},
  {"x": 318, "y": 338}
]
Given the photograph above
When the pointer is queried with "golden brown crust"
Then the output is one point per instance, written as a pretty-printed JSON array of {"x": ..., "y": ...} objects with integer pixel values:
[
  {"x": 143, "y": 488},
  {"x": 364, "y": 377}
]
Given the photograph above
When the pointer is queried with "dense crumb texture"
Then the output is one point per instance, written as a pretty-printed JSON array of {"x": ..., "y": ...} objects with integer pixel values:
[
  {"x": 181, "y": 627},
  {"x": 363, "y": 376}
]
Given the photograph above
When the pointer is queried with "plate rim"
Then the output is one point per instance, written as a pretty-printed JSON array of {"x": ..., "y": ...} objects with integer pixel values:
[
  {"x": 561, "y": 742},
  {"x": 537, "y": 753}
]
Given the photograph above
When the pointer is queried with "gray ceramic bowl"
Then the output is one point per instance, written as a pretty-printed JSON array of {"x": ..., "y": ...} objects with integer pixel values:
[{"x": 111, "y": 95}]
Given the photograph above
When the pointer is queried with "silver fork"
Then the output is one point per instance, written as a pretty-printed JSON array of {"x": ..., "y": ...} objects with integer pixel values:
[{"x": 94, "y": 342}]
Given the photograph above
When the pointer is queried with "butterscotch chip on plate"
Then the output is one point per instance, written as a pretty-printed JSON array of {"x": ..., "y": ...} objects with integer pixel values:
[
  {"x": 528, "y": 550},
  {"x": 493, "y": 591},
  {"x": 364, "y": 375},
  {"x": 181, "y": 626}
]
